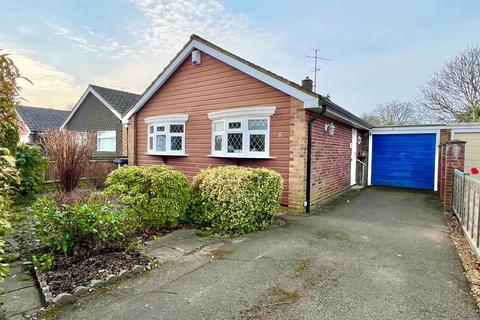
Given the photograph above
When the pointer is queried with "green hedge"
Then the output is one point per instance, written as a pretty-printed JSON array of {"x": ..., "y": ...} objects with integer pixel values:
[
  {"x": 235, "y": 199},
  {"x": 159, "y": 195},
  {"x": 85, "y": 227},
  {"x": 31, "y": 165}
]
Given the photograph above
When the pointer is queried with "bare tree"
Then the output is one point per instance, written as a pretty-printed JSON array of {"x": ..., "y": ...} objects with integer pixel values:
[
  {"x": 69, "y": 153},
  {"x": 394, "y": 113},
  {"x": 453, "y": 93}
]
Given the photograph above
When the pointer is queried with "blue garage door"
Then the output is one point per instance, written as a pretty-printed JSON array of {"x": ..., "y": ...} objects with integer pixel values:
[{"x": 404, "y": 160}]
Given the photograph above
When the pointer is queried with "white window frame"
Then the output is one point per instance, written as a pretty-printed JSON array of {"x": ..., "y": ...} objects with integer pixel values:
[
  {"x": 242, "y": 115},
  {"x": 166, "y": 121},
  {"x": 111, "y": 134}
]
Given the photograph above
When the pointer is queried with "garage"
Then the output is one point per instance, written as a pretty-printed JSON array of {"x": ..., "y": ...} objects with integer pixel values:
[{"x": 404, "y": 160}]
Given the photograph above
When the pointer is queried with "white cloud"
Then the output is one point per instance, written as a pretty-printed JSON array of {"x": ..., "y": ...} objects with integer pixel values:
[
  {"x": 170, "y": 23},
  {"x": 50, "y": 87}
]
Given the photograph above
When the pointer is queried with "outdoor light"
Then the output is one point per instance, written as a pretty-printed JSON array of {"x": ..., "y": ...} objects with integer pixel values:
[
  {"x": 330, "y": 127},
  {"x": 359, "y": 140}
]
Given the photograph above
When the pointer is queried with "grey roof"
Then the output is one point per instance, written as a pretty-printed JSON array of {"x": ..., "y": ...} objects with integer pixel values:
[
  {"x": 119, "y": 100},
  {"x": 40, "y": 119}
]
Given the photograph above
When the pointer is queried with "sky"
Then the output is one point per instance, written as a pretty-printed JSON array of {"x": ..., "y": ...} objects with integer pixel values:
[{"x": 378, "y": 51}]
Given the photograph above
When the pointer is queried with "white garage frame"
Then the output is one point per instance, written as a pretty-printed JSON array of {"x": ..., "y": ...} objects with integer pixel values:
[{"x": 404, "y": 130}]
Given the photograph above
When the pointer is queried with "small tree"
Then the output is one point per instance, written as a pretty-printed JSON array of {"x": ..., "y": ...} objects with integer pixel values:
[
  {"x": 453, "y": 93},
  {"x": 31, "y": 165},
  {"x": 68, "y": 152}
]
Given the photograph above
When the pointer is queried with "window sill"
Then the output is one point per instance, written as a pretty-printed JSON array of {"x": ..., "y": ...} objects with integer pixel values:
[
  {"x": 239, "y": 156},
  {"x": 166, "y": 154}
]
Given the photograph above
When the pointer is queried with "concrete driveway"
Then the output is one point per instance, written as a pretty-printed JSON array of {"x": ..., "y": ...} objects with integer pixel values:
[{"x": 374, "y": 254}]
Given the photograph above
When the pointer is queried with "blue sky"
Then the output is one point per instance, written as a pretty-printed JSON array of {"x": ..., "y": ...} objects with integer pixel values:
[{"x": 379, "y": 50}]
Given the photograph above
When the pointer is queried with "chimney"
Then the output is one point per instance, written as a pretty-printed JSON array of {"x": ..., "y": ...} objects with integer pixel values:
[{"x": 307, "y": 84}]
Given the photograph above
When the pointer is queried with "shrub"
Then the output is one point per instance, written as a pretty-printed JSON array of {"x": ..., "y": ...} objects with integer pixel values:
[
  {"x": 31, "y": 166},
  {"x": 8, "y": 176},
  {"x": 98, "y": 173},
  {"x": 68, "y": 153},
  {"x": 158, "y": 194},
  {"x": 234, "y": 199},
  {"x": 85, "y": 227}
]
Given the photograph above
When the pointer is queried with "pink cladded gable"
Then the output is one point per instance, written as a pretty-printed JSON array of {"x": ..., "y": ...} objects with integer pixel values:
[{"x": 209, "y": 108}]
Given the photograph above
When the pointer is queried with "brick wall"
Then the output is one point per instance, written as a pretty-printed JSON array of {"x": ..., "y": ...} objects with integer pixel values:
[
  {"x": 298, "y": 156},
  {"x": 331, "y": 159},
  {"x": 452, "y": 157}
]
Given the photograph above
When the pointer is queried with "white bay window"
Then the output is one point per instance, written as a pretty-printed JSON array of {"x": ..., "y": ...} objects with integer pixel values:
[
  {"x": 166, "y": 134},
  {"x": 241, "y": 132}
]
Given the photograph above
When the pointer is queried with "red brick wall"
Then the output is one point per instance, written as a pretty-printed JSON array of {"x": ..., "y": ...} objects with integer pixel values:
[{"x": 331, "y": 159}]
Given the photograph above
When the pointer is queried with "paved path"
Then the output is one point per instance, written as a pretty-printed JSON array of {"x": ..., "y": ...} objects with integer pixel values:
[
  {"x": 377, "y": 254},
  {"x": 20, "y": 297}
]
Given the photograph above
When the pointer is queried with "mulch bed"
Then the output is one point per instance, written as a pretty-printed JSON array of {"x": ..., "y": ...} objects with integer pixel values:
[
  {"x": 469, "y": 260},
  {"x": 74, "y": 272}
]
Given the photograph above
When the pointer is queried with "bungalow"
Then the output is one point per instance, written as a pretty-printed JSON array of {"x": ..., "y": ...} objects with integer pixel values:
[
  {"x": 210, "y": 107},
  {"x": 100, "y": 110},
  {"x": 33, "y": 121}
]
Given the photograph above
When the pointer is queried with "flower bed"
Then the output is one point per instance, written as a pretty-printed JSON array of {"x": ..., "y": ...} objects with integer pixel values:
[{"x": 73, "y": 277}]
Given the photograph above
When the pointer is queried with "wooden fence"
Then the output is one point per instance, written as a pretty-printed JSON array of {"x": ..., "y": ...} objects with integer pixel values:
[
  {"x": 466, "y": 206},
  {"x": 50, "y": 175}
]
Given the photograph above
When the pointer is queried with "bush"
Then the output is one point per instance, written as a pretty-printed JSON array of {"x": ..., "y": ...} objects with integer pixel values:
[
  {"x": 235, "y": 200},
  {"x": 72, "y": 197},
  {"x": 98, "y": 173},
  {"x": 69, "y": 154},
  {"x": 84, "y": 228},
  {"x": 158, "y": 194},
  {"x": 31, "y": 166}
]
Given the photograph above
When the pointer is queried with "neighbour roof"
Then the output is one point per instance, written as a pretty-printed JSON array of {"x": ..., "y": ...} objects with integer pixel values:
[
  {"x": 248, "y": 67},
  {"x": 121, "y": 101},
  {"x": 117, "y": 101},
  {"x": 40, "y": 119}
]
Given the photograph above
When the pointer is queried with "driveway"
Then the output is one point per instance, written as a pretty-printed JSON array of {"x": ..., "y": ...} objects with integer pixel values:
[{"x": 374, "y": 254}]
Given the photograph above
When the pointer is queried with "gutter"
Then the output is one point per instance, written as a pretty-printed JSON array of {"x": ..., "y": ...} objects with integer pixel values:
[{"x": 311, "y": 121}]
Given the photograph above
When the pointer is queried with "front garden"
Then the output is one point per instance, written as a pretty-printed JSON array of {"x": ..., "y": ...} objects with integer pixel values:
[{"x": 81, "y": 233}]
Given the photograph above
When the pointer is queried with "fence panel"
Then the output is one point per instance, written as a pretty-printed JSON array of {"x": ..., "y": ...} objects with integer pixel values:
[{"x": 466, "y": 206}]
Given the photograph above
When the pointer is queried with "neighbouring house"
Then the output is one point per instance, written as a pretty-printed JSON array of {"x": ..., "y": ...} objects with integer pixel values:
[
  {"x": 33, "y": 121},
  {"x": 209, "y": 107},
  {"x": 100, "y": 110}
]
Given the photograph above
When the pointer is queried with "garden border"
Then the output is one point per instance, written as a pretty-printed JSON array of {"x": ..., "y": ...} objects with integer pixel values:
[{"x": 70, "y": 297}]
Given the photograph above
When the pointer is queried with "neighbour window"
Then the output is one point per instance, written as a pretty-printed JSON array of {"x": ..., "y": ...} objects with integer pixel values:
[
  {"x": 241, "y": 132},
  {"x": 166, "y": 135},
  {"x": 107, "y": 141}
]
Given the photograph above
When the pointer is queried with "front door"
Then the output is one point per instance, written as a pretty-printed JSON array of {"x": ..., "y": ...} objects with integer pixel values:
[{"x": 353, "y": 170}]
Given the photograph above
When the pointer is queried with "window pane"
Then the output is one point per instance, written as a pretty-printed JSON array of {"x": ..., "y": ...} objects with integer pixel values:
[
  {"x": 234, "y": 144},
  {"x": 161, "y": 143},
  {"x": 257, "y": 142},
  {"x": 218, "y": 143},
  {"x": 106, "y": 144},
  {"x": 176, "y": 143},
  {"x": 150, "y": 143},
  {"x": 176, "y": 128},
  {"x": 160, "y": 129},
  {"x": 150, "y": 129},
  {"x": 218, "y": 126},
  {"x": 257, "y": 124},
  {"x": 234, "y": 125}
]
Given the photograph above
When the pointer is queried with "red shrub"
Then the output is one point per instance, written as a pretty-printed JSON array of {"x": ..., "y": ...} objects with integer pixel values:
[{"x": 99, "y": 171}]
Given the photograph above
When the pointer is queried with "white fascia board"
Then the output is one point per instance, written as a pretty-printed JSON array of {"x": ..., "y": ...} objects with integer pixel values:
[
  {"x": 260, "y": 111},
  {"x": 83, "y": 97},
  {"x": 345, "y": 119},
  {"x": 309, "y": 100},
  {"x": 168, "y": 118},
  {"x": 419, "y": 129}
]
